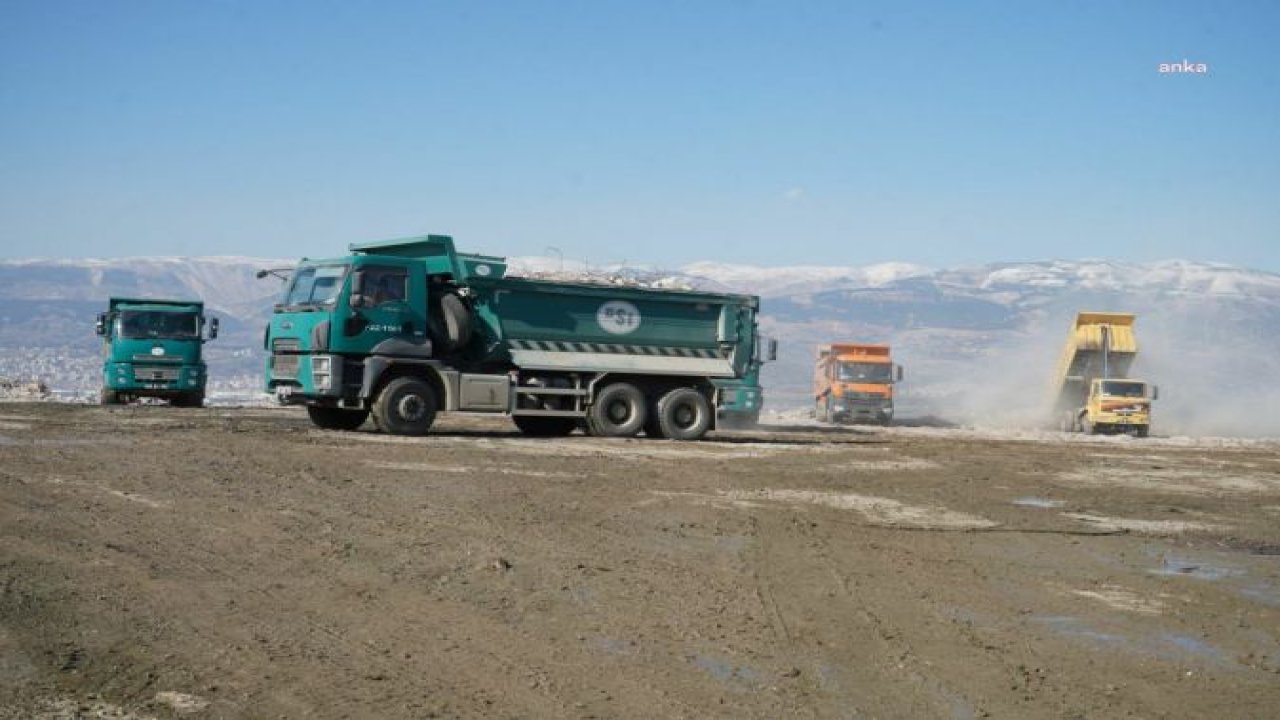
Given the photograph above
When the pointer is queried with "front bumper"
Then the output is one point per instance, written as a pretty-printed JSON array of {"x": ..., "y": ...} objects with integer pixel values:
[
  {"x": 296, "y": 378},
  {"x": 154, "y": 380}
]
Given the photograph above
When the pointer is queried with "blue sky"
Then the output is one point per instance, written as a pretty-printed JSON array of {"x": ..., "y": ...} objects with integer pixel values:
[{"x": 652, "y": 132}]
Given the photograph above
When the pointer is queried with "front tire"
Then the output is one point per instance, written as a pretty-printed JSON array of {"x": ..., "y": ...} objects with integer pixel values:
[
  {"x": 109, "y": 397},
  {"x": 684, "y": 414},
  {"x": 619, "y": 411},
  {"x": 545, "y": 426},
  {"x": 329, "y": 418},
  {"x": 406, "y": 406}
]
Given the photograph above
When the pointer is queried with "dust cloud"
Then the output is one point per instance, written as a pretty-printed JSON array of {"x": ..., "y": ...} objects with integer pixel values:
[{"x": 1217, "y": 370}]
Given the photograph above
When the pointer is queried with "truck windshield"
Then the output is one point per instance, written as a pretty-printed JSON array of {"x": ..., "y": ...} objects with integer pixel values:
[
  {"x": 315, "y": 285},
  {"x": 865, "y": 372},
  {"x": 1124, "y": 389},
  {"x": 159, "y": 324}
]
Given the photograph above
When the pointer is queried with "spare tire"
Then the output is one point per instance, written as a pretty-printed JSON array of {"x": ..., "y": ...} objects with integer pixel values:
[{"x": 451, "y": 323}]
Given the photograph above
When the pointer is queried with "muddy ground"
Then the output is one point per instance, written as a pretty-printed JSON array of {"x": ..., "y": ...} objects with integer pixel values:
[{"x": 236, "y": 563}]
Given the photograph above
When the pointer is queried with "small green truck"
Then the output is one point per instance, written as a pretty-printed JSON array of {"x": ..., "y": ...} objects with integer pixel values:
[
  {"x": 152, "y": 348},
  {"x": 404, "y": 329}
]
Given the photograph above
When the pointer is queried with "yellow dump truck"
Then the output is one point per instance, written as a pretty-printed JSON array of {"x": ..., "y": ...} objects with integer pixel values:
[{"x": 1093, "y": 390}]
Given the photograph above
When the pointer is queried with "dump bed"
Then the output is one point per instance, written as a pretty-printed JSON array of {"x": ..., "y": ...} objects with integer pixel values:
[
  {"x": 154, "y": 304},
  {"x": 1082, "y": 358},
  {"x": 541, "y": 324},
  {"x": 861, "y": 352}
]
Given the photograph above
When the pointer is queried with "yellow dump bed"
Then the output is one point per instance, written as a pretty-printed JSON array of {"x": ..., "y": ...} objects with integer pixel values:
[{"x": 1082, "y": 357}]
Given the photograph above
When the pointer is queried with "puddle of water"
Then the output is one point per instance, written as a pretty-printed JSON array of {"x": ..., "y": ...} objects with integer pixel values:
[
  {"x": 613, "y": 646},
  {"x": 1037, "y": 502},
  {"x": 1194, "y": 646},
  {"x": 1199, "y": 569},
  {"x": 727, "y": 672},
  {"x": 1074, "y": 627},
  {"x": 1263, "y": 594},
  {"x": 1174, "y": 647}
]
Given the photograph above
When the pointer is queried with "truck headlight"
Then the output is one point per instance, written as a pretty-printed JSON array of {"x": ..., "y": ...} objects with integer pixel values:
[{"x": 321, "y": 371}]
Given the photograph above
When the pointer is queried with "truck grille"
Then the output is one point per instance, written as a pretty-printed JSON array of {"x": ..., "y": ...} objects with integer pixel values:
[
  {"x": 284, "y": 366},
  {"x": 286, "y": 345},
  {"x": 153, "y": 359},
  {"x": 154, "y": 372}
]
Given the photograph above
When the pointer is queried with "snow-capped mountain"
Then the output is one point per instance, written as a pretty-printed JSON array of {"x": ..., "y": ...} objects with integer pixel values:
[{"x": 978, "y": 342}]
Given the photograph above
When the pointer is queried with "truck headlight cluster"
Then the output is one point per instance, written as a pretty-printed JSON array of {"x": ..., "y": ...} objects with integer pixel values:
[{"x": 321, "y": 371}]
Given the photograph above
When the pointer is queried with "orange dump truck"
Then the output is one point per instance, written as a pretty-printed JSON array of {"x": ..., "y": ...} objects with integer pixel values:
[{"x": 853, "y": 382}]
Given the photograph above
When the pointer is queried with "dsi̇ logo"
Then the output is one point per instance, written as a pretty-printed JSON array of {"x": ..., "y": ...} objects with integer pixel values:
[{"x": 618, "y": 317}]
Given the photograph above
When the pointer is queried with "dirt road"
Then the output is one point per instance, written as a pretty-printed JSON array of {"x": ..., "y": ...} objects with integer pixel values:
[{"x": 236, "y": 563}]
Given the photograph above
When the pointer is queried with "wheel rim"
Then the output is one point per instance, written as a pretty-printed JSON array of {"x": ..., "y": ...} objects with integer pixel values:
[
  {"x": 684, "y": 416},
  {"x": 619, "y": 411},
  {"x": 412, "y": 408}
]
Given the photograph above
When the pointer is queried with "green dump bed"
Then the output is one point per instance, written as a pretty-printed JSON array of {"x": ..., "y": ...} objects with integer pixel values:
[{"x": 548, "y": 325}]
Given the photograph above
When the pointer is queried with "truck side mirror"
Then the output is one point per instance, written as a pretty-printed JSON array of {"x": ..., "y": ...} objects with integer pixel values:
[
  {"x": 213, "y": 328},
  {"x": 100, "y": 327},
  {"x": 772, "y": 354},
  {"x": 899, "y": 373},
  {"x": 1155, "y": 392}
]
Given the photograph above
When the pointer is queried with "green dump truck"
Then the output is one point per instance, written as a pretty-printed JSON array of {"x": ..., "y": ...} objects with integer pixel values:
[
  {"x": 153, "y": 348},
  {"x": 404, "y": 329}
]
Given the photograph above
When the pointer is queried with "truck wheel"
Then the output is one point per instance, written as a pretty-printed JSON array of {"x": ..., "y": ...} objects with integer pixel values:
[
  {"x": 619, "y": 411},
  {"x": 540, "y": 426},
  {"x": 109, "y": 397},
  {"x": 1142, "y": 431},
  {"x": 684, "y": 414},
  {"x": 1087, "y": 427},
  {"x": 336, "y": 418},
  {"x": 406, "y": 406}
]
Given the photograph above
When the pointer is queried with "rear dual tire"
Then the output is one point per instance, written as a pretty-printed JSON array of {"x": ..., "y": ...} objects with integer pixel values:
[
  {"x": 622, "y": 410},
  {"x": 683, "y": 414},
  {"x": 619, "y": 410}
]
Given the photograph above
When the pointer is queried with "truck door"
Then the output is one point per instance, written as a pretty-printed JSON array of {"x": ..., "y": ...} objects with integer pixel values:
[{"x": 389, "y": 310}]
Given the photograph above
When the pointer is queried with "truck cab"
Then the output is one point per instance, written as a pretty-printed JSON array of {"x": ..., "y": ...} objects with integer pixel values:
[
  {"x": 853, "y": 383},
  {"x": 1118, "y": 406},
  {"x": 153, "y": 348}
]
